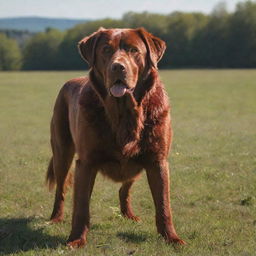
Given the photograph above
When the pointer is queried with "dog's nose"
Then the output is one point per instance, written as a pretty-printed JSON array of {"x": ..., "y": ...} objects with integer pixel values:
[{"x": 117, "y": 67}]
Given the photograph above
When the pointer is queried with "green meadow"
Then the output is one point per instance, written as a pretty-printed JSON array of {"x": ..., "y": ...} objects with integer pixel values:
[{"x": 213, "y": 171}]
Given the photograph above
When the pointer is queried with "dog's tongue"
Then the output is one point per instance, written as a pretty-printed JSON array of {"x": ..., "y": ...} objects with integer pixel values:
[{"x": 118, "y": 90}]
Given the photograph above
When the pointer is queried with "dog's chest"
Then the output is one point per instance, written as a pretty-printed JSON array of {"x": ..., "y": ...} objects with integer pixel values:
[
  {"x": 120, "y": 170},
  {"x": 114, "y": 164}
]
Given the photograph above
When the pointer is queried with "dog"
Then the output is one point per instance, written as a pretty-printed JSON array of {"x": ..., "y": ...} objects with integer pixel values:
[{"x": 117, "y": 121}]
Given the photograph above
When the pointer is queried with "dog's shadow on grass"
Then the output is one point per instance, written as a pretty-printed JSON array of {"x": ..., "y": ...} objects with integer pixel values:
[
  {"x": 20, "y": 235},
  {"x": 133, "y": 237}
]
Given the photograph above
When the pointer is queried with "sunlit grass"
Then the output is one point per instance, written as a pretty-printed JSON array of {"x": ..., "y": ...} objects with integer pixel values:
[{"x": 213, "y": 171}]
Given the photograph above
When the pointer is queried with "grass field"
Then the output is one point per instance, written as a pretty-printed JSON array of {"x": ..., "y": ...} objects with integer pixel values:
[{"x": 213, "y": 165}]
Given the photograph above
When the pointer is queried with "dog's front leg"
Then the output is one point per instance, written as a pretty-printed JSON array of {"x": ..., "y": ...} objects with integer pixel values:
[
  {"x": 158, "y": 179},
  {"x": 84, "y": 181}
]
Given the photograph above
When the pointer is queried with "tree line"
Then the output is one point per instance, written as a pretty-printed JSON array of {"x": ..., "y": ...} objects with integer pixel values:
[{"x": 217, "y": 40}]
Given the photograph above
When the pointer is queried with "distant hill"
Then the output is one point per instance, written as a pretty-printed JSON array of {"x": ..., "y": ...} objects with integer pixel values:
[{"x": 38, "y": 24}]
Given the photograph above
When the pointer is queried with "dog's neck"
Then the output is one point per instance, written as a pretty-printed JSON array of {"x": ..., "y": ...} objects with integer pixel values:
[
  {"x": 126, "y": 118},
  {"x": 126, "y": 114}
]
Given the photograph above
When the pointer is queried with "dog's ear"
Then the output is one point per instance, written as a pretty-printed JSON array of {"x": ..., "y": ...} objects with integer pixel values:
[
  {"x": 87, "y": 46},
  {"x": 155, "y": 46}
]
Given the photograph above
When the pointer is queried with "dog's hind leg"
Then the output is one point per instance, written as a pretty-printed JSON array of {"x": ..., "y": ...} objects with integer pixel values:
[
  {"x": 63, "y": 153},
  {"x": 61, "y": 164},
  {"x": 125, "y": 201}
]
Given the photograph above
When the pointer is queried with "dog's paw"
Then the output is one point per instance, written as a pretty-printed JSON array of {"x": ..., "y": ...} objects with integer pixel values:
[
  {"x": 78, "y": 243},
  {"x": 132, "y": 217},
  {"x": 56, "y": 220},
  {"x": 175, "y": 240},
  {"x": 57, "y": 216}
]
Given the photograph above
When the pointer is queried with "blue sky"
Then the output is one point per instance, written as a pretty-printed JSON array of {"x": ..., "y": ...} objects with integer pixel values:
[{"x": 95, "y": 9}]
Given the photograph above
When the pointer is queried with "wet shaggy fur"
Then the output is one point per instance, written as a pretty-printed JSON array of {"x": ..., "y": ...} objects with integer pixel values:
[{"x": 117, "y": 136}]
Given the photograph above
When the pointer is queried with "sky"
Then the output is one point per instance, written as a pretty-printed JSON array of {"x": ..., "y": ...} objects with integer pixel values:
[{"x": 95, "y": 9}]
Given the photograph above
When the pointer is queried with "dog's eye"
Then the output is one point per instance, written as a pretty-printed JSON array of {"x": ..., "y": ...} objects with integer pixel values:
[
  {"x": 107, "y": 49},
  {"x": 134, "y": 50},
  {"x": 131, "y": 49}
]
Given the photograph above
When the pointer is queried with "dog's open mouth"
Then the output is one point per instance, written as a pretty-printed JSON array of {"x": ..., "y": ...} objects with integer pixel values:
[{"x": 118, "y": 89}]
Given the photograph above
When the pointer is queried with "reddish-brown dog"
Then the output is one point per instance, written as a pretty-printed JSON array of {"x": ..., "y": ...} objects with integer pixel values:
[{"x": 117, "y": 121}]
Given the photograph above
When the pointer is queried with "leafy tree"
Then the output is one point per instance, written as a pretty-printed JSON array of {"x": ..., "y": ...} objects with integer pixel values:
[
  {"x": 182, "y": 28},
  {"x": 210, "y": 44},
  {"x": 242, "y": 37},
  {"x": 41, "y": 51},
  {"x": 10, "y": 55},
  {"x": 220, "y": 39},
  {"x": 155, "y": 23}
]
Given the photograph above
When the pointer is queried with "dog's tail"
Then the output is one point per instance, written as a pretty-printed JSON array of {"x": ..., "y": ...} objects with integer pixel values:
[
  {"x": 51, "y": 180},
  {"x": 50, "y": 177}
]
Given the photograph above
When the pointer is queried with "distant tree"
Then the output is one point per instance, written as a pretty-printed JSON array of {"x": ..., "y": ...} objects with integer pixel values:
[
  {"x": 220, "y": 39},
  {"x": 154, "y": 23},
  {"x": 210, "y": 44},
  {"x": 182, "y": 28},
  {"x": 41, "y": 51},
  {"x": 21, "y": 36},
  {"x": 220, "y": 9},
  {"x": 10, "y": 55},
  {"x": 242, "y": 36}
]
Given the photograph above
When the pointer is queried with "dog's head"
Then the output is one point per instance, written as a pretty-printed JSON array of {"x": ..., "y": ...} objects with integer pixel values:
[{"x": 121, "y": 58}]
